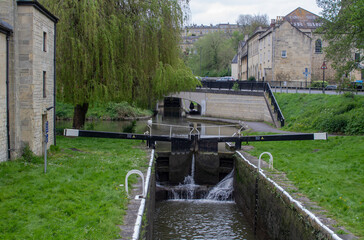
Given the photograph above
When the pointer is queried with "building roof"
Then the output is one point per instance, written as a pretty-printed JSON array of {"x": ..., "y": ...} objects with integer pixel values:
[
  {"x": 38, "y": 6},
  {"x": 302, "y": 18},
  {"x": 235, "y": 59}
]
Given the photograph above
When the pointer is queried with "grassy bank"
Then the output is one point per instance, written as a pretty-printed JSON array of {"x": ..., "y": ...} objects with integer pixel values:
[
  {"x": 330, "y": 173},
  {"x": 343, "y": 114},
  {"x": 104, "y": 111},
  {"x": 78, "y": 198}
]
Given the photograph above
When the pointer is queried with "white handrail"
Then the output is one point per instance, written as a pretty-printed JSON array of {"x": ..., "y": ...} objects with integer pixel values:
[
  {"x": 126, "y": 181},
  {"x": 270, "y": 160}
]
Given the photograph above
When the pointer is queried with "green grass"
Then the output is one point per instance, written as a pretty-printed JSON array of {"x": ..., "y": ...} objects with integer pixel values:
[
  {"x": 330, "y": 173},
  {"x": 78, "y": 198},
  {"x": 320, "y": 112},
  {"x": 105, "y": 111}
]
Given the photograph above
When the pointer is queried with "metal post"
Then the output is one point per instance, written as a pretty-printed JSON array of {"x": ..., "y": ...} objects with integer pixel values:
[
  {"x": 323, "y": 80},
  {"x": 170, "y": 131},
  {"x": 45, "y": 146}
]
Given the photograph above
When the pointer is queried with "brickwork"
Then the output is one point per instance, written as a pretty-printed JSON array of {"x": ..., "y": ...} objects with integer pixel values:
[{"x": 3, "y": 131}]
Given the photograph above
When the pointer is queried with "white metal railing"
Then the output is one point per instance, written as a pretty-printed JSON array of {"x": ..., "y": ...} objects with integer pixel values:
[
  {"x": 192, "y": 129},
  {"x": 270, "y": 160}
]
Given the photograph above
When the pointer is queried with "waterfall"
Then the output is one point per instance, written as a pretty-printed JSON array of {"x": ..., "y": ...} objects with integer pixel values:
[
  {"x": 223, "y": 190},
  {"x": 189, "y": 190}
]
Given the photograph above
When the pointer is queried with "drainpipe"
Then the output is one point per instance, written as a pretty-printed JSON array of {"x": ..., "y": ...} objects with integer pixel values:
[
  {"x": 247, "y": 61},
  {"x": 7, "y": 94},
  {"x": 54, "y": 84}
]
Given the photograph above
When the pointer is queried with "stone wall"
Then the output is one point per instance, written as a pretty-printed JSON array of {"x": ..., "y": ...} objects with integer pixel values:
[
  {"x": 28, "y": 64},
  {"x": 3, "y": 131},
  {"x": 298, "y": 49},
  {"x": 276, "y": 216}
]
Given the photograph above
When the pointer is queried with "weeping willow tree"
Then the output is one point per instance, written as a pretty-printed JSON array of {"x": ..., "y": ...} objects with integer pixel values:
[{"x": 118, "y": 50}]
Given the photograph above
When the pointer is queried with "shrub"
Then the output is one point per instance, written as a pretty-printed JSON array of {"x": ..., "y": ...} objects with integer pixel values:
[
  {"x": 349, "y": 95},
  {"x": 236, "y": 86},
  {"x": 28, "y": 155},
  {"x": 318, "y": 84},
  {"x": 356, "y": 124},
  {"x": 251, "y": 79}
]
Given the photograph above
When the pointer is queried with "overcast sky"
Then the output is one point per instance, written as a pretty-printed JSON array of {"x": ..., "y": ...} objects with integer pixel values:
[{"x": 227, "y": 11}]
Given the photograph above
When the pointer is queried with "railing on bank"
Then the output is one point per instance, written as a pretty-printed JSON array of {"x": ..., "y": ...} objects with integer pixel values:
[
  {"x": 247, "y": 86},
  {"x": 277, "y": 110}
]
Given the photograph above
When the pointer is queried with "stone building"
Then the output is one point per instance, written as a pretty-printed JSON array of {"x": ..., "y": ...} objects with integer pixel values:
[
  {"x": 192, "y": 33},
  {"x": 285, "y": 51},
  {"x": 27, "y": 77}
]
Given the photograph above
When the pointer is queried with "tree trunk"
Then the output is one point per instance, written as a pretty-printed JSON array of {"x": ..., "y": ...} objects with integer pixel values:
[{"x": 79, "y": 115}]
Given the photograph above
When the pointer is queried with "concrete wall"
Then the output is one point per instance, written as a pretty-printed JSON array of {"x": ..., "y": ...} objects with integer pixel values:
[
  {"x": 3, "y": 131},
  {"x": 251, "y": 108},
  {"x": 233, "y": 105},
  {"x": 277, "y": 216}
]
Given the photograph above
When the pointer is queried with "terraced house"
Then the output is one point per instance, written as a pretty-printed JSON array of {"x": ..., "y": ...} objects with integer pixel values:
[
  {"x": 27, "y": 77},
  {"x": 285, "y": 50}
]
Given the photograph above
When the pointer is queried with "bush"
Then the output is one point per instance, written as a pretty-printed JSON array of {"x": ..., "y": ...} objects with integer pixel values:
[
  {"x": 356, "y": 124},
  {"x": 318, "y": 84},
  {"x": 335, "y": 124},
  {"x": 236, "y": 86},
  {"x": 349, "y": 95},
  {"x": 251, "y": 79},
  {"x": 28, "y": 155}
]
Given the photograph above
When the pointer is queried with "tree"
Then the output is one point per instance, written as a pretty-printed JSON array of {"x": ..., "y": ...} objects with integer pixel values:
[
  {"x": 343, "y": 28},
  {"x": 212, "y": 55},
  {"x": 248, "y": 23},
  {"x": 118, "y": 50}
]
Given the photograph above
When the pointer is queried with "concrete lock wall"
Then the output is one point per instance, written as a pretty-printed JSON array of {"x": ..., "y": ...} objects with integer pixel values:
[
  {"x": 253, "y": 108},
  {"x": 277, "y": 217}
]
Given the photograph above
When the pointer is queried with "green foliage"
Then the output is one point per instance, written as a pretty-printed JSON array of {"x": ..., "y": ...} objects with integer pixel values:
[
  {"x": 330, "y": 173},
  {"x": 28, "y": 155},
  {"x": 249, "y": 23},
  {"x": 236, "y": 86},
  {"x": 251, "y": 79},
  {"x": 327, "y": 113},
  {"x": 80, "y": 196},
  {"x": 343, "y": 29},
  {"x": 106, "y": 111},
  {"x": 130, "y": 128},
  {"x": 119, "y": 50},
  {"x": 318, "y": 84},
  {"x": 214, "y": 53}
]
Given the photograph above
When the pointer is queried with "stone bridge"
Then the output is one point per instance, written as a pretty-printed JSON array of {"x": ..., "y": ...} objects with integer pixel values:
[{"x": 242, "y": 105}]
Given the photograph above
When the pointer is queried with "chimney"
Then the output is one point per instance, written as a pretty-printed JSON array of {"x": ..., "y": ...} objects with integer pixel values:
[{"x": 272, "y": 22}]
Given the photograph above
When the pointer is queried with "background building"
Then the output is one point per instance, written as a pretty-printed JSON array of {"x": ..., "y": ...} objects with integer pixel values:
[
  {"x": 27, "y": 60},
  {"x": 285, "y": 51},
  {"x": 192, "y": 33}
]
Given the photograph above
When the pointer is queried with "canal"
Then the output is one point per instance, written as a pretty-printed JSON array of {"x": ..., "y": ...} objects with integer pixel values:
[{"x": 185, "y": 218}]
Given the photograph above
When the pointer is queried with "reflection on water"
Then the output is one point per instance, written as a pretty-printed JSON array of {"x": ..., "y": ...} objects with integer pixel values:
[{"x": 200, "y": 219}]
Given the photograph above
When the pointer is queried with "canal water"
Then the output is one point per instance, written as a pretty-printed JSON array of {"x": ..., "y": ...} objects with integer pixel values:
[
  {"x": 200, "y": 219},
  {"x": 193, "y": 218}
]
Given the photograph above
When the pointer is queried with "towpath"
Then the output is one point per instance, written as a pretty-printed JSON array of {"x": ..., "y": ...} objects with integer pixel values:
[{"x": 264, "y": 127}]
